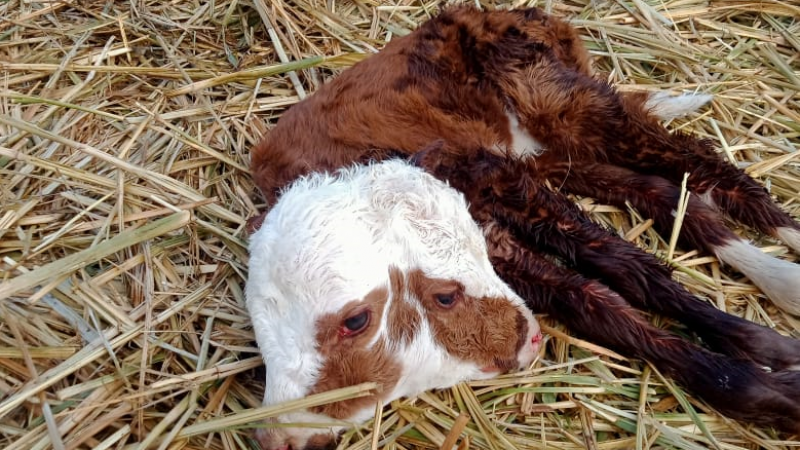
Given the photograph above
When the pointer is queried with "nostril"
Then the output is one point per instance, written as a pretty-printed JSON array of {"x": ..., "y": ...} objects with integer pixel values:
[{"x": 537, "y": 338}]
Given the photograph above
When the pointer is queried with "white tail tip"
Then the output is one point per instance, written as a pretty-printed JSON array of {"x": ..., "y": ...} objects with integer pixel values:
[
  {"x": 778, "y": 279},
  {"x": 790, "y": 237},
  {"x": 666, "y": 106}
]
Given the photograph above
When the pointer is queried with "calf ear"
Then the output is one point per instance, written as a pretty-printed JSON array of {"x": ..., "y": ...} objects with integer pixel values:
[{"x": 255, "y": 222}]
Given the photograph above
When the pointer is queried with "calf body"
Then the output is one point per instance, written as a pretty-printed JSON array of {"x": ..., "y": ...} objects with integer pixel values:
[{"x": 499, "y": 103}]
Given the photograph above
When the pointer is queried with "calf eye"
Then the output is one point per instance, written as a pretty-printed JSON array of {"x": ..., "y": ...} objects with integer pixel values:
[
  {"x": 446, "y": 300},
  {"x": 355, "y": 324}
]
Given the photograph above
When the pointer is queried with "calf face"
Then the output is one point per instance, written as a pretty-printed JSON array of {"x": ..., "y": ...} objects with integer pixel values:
[{"x": 377, "y": 273}]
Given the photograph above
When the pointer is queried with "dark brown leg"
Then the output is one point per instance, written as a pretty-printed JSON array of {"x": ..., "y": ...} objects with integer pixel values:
[
  {"x": 719, "y": 183},
  {"x": 582, "y": 121},
  {"x": 736, "y": 388},
  {"x": 657, "y": 198}
]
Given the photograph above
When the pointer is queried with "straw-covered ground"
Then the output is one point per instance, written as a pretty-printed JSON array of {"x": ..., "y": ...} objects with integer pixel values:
[{"x": 124, "y": 190}]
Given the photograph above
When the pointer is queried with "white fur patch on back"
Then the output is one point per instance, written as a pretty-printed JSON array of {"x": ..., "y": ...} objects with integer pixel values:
[
  {"x": 778, "y": 279},
  {"x": 666, "y": 106},
  {"x": 522, "y": 143}
]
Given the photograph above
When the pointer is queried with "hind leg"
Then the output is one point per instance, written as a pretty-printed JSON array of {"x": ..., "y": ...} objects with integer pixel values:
[
  {"x": 717, "y": 182},
  {"x": 568, "y": 49},
  {"x": 580, "y": 120},
  {"x": 577, "y": 118},
  {"x": 657, "y": 198}
]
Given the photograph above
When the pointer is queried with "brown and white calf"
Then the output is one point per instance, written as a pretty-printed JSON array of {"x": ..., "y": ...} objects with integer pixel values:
[{"x": 500, "y": 103}]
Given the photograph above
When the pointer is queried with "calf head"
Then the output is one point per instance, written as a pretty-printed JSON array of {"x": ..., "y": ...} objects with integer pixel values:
[{"x": 375, "y": 274}]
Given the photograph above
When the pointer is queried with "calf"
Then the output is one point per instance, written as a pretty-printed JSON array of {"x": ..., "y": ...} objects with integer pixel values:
[{"x": 499, "y": 104}]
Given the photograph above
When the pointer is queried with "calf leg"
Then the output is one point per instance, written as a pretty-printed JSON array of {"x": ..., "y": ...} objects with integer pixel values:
[
  {"x": 542, "y": 219},
  {"x": 662, "y": 105},
  {"x": 657, "y": 198},
  {"x": 551, "y": 222},
  {"x": 568, "y": 49},
  {"x": 735, "y": 387},
  {"x": 719, "y": 183}
]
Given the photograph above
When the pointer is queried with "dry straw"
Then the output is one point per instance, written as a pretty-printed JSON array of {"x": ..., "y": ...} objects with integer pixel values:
[{"x": 124, "y": 137}]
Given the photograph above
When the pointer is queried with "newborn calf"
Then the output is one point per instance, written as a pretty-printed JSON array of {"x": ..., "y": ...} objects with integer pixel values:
[
  {"x": 500, "y": 104},
  {"x": 376, "y": 273}
]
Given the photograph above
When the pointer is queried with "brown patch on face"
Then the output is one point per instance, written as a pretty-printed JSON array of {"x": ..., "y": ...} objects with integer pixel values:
[
  {"x": 488, "y": 331},
  {"x": 348, "y": 360},
  {"x": 255, "y": 222},
  {"x": 404, "y": 319}
]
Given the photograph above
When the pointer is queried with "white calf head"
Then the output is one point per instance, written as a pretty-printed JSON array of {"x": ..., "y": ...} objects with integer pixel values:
[{"x": 376, "y": 274}]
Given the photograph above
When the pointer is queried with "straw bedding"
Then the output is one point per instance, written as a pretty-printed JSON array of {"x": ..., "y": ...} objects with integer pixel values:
[{"x": 124, "y": 137}]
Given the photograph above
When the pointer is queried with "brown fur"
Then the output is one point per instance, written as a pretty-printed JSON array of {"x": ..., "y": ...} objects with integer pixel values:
[
  {"x": 441, "y": 94},
  {"x": 366, "y": 113},
  {"x": 348, "y": 360},
  {"x": 404, "y": 319},
  {"x": 464, "y": 329}
]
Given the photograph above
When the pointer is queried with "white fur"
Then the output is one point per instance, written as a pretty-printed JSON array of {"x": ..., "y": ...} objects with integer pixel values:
[
  {"x": 522, "y": 143},
  {"x": 790, "y": 237},
  {"x": 778, "y": 279},
  {"x": 666, "y": 106},
  {"x": 330, "y": 240},
  {"x": 708, "y": 199}
]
